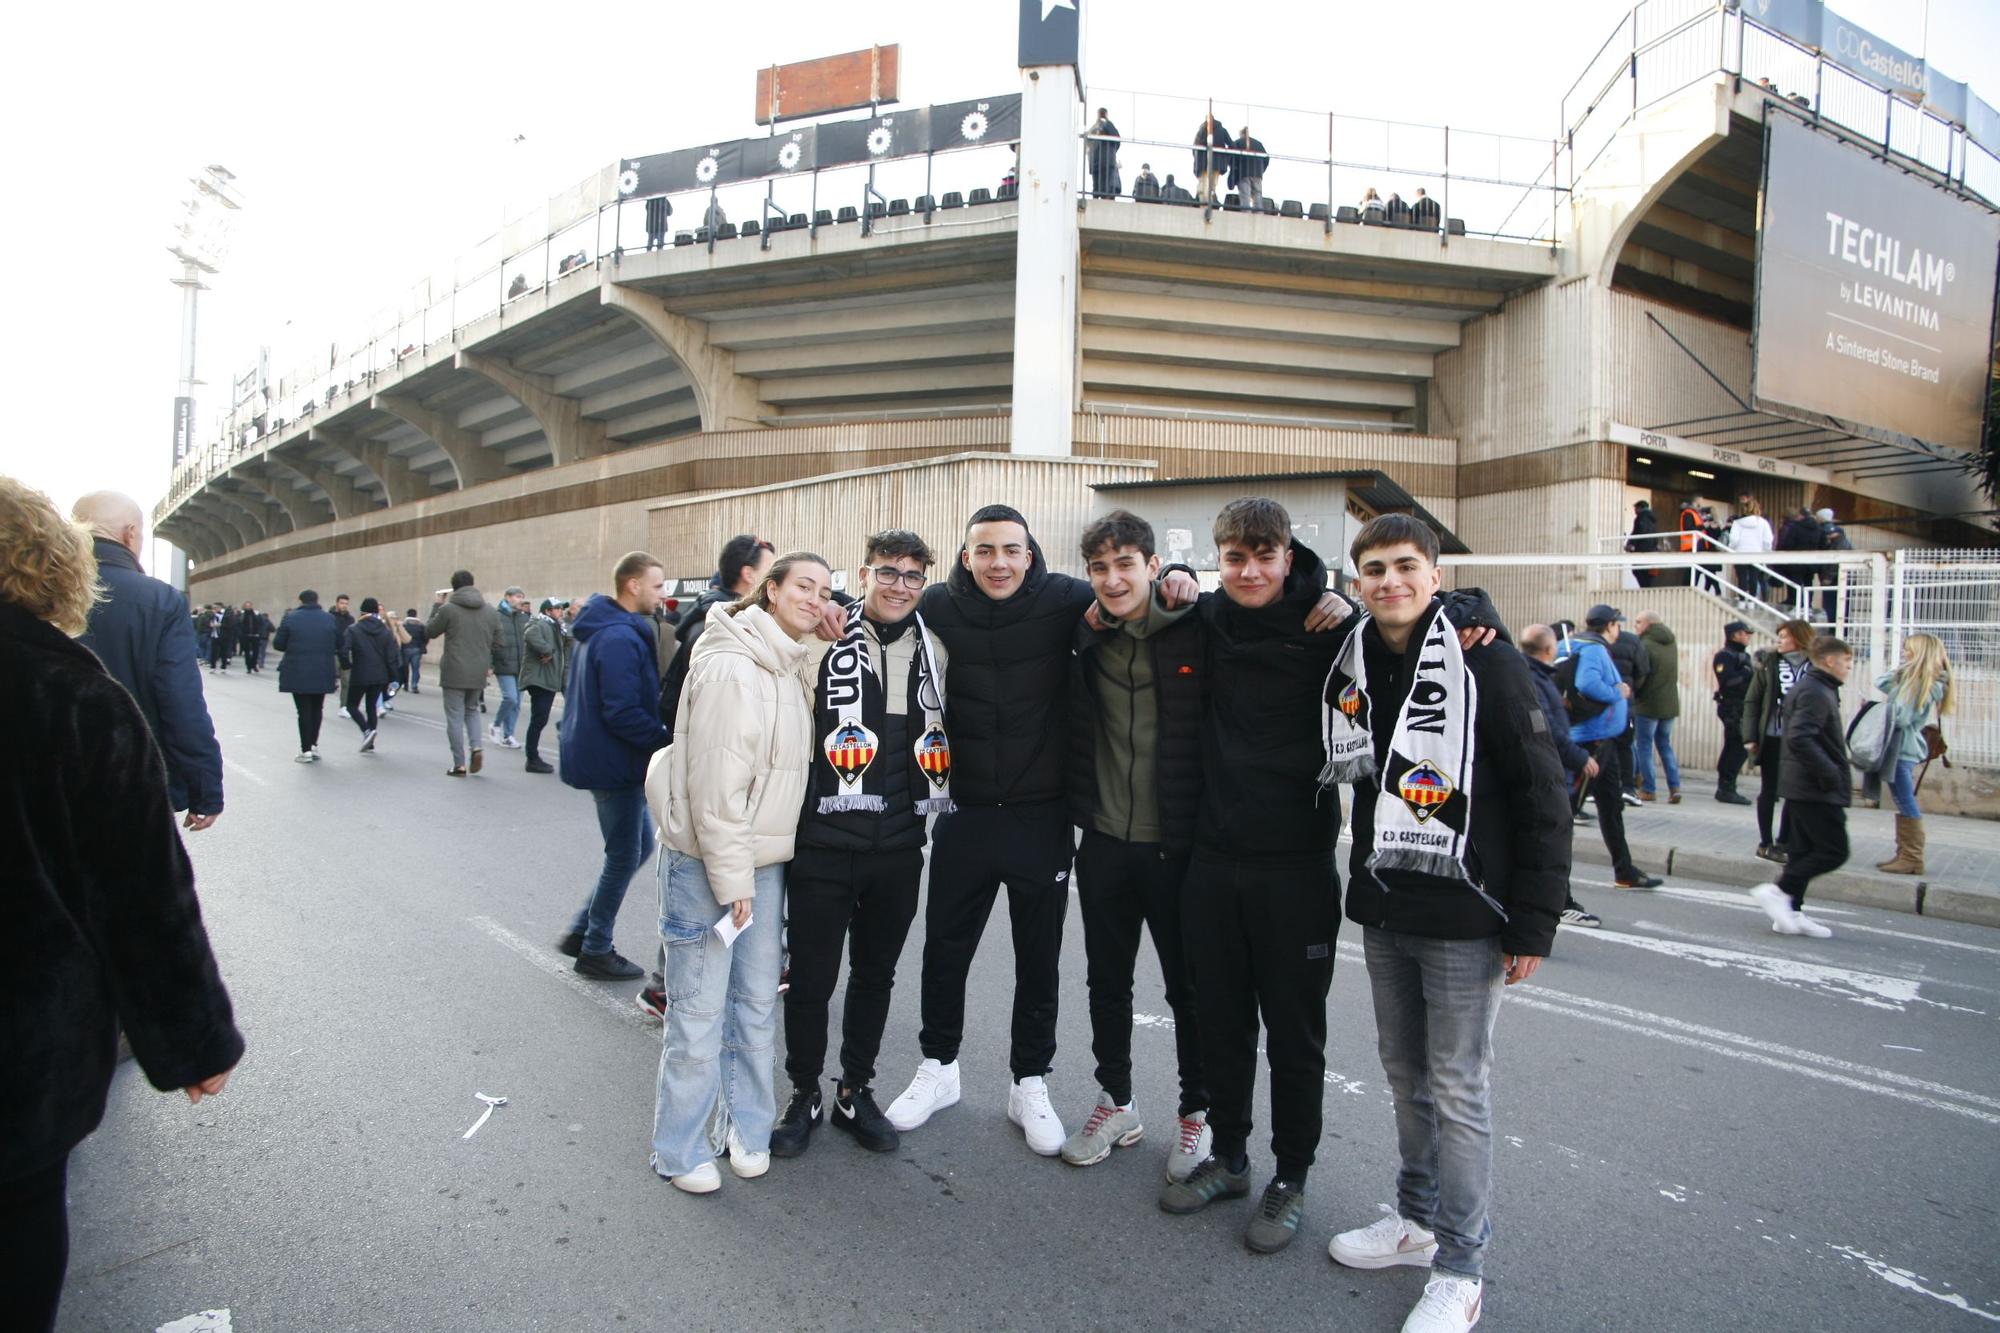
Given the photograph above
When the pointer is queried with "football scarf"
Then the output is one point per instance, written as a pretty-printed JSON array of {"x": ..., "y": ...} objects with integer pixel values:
[
  {"x": 851, "y": 779},
  {"x": 1423, "y": 812}
]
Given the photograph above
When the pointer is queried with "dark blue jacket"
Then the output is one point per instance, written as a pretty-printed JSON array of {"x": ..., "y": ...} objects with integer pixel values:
[
  {"x": 145, "y": 638},
  {"x": 309, "y": 637},
  {"x": 1573, "y": 756},
  {"x": 611, "y": 721}
]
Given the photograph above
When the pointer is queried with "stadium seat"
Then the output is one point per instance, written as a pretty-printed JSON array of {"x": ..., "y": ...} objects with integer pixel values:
[
  {"x": 899, "y": 208},
  {"x": 952, "y": 199},
  {"x": 1348, "y": 213},
  {"x": 1008, "y": 192},
  {"x": 701, "y": 236},
  {"x": 925, "y": 204},
  {"x": 847, "y": 214},
  {"x": 1291, "y": 208},
  {"x": 982, "y": 195},
  {"x": 1319, "y": 213},
  {"x": 877, "y": 209},
  {"x": 752, "y": 228},
  {"x": 795, "y": 220},
  {"x": 726, "y": 231},
  {"x": 1233, "y": 202},
  {"x": 1269, "y": 207},
  {"x": 1456, "y": 226},
  {"x": 822, "y": 217},
  {"x": 683, "y": 238}
]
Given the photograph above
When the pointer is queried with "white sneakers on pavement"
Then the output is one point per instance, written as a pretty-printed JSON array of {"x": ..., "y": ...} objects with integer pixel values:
[
  {"x": 1390, "y": 1241},
  {"x": 933, "y": 1089},
  {"x": 704, "y": 1179},
  {"x": 1028, "y": 1106},
  {"x": 1450, "y": 1304},
  {"x": 1193, "y": 1142},
  {"x": 1786, "y": 919},
  {"x": 1808, "y": 926},
  {"x": 744, "y": 1164}
]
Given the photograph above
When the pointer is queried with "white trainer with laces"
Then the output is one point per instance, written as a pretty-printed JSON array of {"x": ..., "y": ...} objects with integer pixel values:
[
  {"x": 1390, "y": 1241},
  {"x": 1777, "y": 905},
  {"x": 1028, "y": 1106},
  {"x": 1805, "y": 925},
  {"x": 1108, "y": 1126},
  {"x": 744, "y": 1164},
  {"x": 933, "y": 1089},
  {"x": 1193, "y": 1142},
  {"x": 1450, "y": 1305}
]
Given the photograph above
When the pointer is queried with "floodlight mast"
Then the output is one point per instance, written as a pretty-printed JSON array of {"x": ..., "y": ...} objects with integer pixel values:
[{"x": 200, "y": 242}]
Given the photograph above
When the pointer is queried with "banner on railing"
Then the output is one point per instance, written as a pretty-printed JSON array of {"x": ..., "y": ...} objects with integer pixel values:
[{"x": 1847, "y": 44}]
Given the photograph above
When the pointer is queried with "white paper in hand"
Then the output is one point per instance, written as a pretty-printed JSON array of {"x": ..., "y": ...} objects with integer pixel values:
[{"x": 727, "y": 930}]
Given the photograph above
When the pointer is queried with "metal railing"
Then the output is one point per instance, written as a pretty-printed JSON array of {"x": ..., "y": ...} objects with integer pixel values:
[{"x": 1724, "y": 579}]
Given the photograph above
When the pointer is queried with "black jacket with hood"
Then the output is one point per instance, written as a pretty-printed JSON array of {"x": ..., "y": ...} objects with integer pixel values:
[
  {"x": 370, "y": 652},
  {"x": 1815, "y": 743},
  {"x": 1007, "y": 688}
]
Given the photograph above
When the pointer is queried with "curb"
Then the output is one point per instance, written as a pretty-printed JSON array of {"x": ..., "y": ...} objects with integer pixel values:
[{"x": 1891, "y": 893}]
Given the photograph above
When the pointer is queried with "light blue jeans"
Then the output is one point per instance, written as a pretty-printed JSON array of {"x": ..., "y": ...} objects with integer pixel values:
[
  {"x": 509, "y": 711},
  {"x": 1650, "y": 732},
  {"x": 1903, "y": 787},
  {"x": 1435, "y": 1002},
  {"x": 722, "y": 1018}
]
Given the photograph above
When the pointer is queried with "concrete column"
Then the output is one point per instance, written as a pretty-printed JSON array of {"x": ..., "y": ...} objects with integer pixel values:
[
  {"x": 222, "y": 524},
  {"x": 398, "y": 483},
  {"x": 1045, "y": 266},
  {"x": 242, "y": 510},
  {"x": 571, "y": 438},
  {"x": 471, "y": 460},
  {"x": 725, "y": 399},
  {"x": 298, "y": 506}
]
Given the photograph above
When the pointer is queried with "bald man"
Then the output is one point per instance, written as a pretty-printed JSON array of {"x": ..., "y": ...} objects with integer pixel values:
[{"x": 144, "y": 635}]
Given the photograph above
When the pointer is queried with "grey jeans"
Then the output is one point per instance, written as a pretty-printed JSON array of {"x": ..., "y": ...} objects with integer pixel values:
[
  {"x": 1435, "y": 1002},
  {"x": 461, "y": 720}
]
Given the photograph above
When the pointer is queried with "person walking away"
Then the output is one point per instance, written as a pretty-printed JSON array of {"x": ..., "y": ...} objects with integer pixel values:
[
  {"x": 1538, "y": 646},
  {"x": 1772, "y": 677},
  {"x": 141, "y": 632},
  {"x": 471, "y": 633},
  {"x": 1641, "y": 541},
  {"x": 1635, "y": 667},
  {"x": 881, "y": 767},
  {"x": 1750, "y": 534},
  {"x": 99, "y": 898},
  {"x": 1732, "y": 670},
  {"x": 369, "y": 653},
  {"x": 251, "y": 627},
  {"x": 416, "y": 640},
  {"x": 609, "y": 731},
  {"x": 1598, "y": 702},
  {"x": 1799, "y": 532},
  {"x": 1832, "y": 537},
  {"x": 1920, "y": 691},
  {"x": 1459, "y": 868},
  {"x": 1246, "y": 170},
  {"x": 544, "y": 669},
  {"x": 728, "y": 793},
  {"x": 310, "y": 642},
  {"x": 514, "y": 616},
  {"x": 1104, "y": 182},
  {"x": 1817, "y": 788},
  {"x": 394, "y": 624},
  {"x": 1657, "y": 704}
]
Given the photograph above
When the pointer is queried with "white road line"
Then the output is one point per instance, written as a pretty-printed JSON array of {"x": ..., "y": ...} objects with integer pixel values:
[
  {"x": 1737, "y": 902},
  {"x": 1910, "y": 1280},
  {"x": 242, "y": 772},
  {"x": 558, "y": 967}
]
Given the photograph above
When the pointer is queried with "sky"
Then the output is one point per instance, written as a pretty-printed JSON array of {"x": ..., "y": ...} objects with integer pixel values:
[{"x": 374, "y": 142}]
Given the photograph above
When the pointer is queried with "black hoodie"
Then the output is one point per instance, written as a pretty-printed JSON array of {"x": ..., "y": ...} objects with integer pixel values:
[{"x": 1007, "y": 689}]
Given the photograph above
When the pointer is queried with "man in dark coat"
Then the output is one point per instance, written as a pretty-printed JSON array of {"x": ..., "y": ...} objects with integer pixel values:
[
  {"x": 1732, "y": 670},
  {"x": 1246, "y": 170},
  {"x": 1538, "y": 646},
  {"x": 370, "y": 653},
  {"x": 1104, "y": 182},
  {"x": 1211, "y": 155},
  {"x": 1642, "y": 541},
  {"x": 343, "y": 620},
  {"x": 1817, "y": 787},
  {"x": 310, "y": 641},
  {"x": 142, "y": 634},
  {"x": 1635, "y": 668},
  {"x": 251, "y": 627},
  {"x": 413, "y": 651}
]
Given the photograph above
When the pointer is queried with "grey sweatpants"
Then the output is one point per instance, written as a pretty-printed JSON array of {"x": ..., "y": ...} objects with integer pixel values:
[{"x": 461, "y": 720}]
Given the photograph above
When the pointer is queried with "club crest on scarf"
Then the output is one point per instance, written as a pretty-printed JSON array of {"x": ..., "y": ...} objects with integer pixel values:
[
  {"x": 934, "y": 756},
  {"x": 850, "y": 748},
  {"x": 1424, "y": 789},
  {"x": 1350, "y": 699}
]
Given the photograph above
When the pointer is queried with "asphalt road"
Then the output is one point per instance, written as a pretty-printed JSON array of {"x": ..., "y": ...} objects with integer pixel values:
[{"x": 1700, "y": 1125}]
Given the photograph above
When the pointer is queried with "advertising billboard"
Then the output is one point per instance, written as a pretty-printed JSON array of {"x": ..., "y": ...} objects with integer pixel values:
[{"x": 1874, "y": 295}]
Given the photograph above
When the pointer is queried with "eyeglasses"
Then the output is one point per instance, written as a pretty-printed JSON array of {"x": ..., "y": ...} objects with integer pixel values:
[{"x": 890, "y": 576}]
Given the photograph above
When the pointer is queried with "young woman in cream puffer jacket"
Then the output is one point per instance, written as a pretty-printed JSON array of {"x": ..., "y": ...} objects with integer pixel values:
[{"x": 727, "y": 794}]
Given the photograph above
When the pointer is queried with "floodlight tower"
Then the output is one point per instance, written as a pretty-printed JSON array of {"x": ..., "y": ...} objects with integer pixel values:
[{"x": 200, "y": 241}]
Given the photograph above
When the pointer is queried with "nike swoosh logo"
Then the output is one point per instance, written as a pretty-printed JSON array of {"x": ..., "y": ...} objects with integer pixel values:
[{"x": 847, "y": 1111}]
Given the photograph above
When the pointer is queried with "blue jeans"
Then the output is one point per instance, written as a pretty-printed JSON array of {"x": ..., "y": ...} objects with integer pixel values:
[
  {"x": 1656, "y": 731},
  {"x": 413, "y": 663},
  {"x": 1435, "y": 1002},
  {"x": 509, "y": 711},
  {"x": 627, "y": 827},
  {"x": 722, "y": 1017},
  {"x": 1903, "y": 787}
]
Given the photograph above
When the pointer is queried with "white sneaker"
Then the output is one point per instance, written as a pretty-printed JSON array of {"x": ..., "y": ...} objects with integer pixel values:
[
  {"x": 933, "y": 1089},
  {"x": 304, "y": 757},
  {"x": 1193, "y": 1142},
  {"x": 509, "y": 743},
  {"x": 1777, "y": 905},
  {"x": 704, "y": 1179},
  {"x": 745, "y": 1165},
  {"x": 1450, "y": 1305},
  {"x": 1389, "y": 1241},
  {"x": 1028, "y": 1106},
  {"x": 1805, "y": 925}
]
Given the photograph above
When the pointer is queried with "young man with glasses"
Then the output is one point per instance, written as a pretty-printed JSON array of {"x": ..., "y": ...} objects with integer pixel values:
[{"x": 882, "y": 767}]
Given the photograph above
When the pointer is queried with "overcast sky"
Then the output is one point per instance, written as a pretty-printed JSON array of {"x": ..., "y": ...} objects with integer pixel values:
[{"x": 374, "y": 142}]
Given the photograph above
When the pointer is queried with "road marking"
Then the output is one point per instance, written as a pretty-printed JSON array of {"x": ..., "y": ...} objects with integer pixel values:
[
  {"x": 1353, "y": 1086},
  {"x": 1736, "y": 902},
  {"x": 1911, "y": 1281},
  {"x": 242, "y": 772},
  {"x": 1868, "y": 988},
  {"x": 558, "y": 967},
  {"x": 208, "y": 1321}
]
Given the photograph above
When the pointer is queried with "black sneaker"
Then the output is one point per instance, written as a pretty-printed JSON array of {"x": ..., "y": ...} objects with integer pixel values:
[
  {"x": 571, "y": 945},
  {"x": 1210, "y": 1181},
  {"x": 652, "y": 1002},
  {"x": 1730, "y": 796},
  {"x": 607, "y": 966},
  {"x": 1276, "y": 1222},
  {"x": 539, "y": 766},
  {"x": 859, "y": 1116},
  {"x": 1639, "y": 879},
  {"x": 793, "y": 1133},
  {"x": 1770, "y": 852}
]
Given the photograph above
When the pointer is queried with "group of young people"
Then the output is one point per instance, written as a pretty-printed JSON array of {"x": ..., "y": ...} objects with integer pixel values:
[{"x": 1200, "y": 741}]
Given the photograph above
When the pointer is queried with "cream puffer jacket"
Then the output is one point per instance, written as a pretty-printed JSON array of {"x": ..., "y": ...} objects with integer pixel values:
[{"x": 729, "y": 789}]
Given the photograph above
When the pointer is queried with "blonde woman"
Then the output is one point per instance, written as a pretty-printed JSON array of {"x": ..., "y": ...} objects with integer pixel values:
[
  {"x": 1919, "y": 693},
  {"x": 727, "y": 794}
]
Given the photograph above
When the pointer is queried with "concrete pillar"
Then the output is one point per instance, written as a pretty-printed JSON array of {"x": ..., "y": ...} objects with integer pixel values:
[
  {"x": 571, "y": 438},
  {"x": 1045, "y": 266},
  {"x": 398, "y": 483},
  {"x": 471, "y": 460},
  {"x": 242, "y": 510},
  {"x": 725, "y": 399},
  {"x": 298, "y": 506}
]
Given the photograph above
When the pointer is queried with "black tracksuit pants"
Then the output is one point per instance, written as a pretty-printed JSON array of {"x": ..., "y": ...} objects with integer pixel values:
[
  {"x": 361, "y": 704},
  {"x": 975, "y": 850},
  {"x": 1122, "y": 887},
  {"x": 540, "y": 700},
  {"x": 1815, "y": 844},
  {"x": 1729, "y": 766},
  {"x": 1260, "y": 937},
  {"x": 864, "y": 901},
  {"x": 312, "y": 711},
  {"x": 1770, "y": 767},
  {"x": 1608, "y": 790}
]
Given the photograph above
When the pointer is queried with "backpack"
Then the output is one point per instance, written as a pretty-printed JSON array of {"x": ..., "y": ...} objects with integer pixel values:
[
  {"x": 1581, "y": 707},
  {"x": 1868, "y": 736},
  {"x": 1831, "y": 538}
]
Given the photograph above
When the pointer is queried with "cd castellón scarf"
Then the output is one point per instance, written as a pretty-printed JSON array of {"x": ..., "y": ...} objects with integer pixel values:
[{"x": 851, "y": 779}]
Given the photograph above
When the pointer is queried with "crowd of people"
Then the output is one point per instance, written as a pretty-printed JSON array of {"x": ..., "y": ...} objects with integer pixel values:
[
  {"x": 796, "y": 751},
  {"x": 1748, "y": 532}
]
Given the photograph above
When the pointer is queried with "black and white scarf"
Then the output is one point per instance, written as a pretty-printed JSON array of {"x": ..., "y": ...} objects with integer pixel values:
[
  {"x": 851, "y": 779},
  {"x": 1423, "y": 812}
]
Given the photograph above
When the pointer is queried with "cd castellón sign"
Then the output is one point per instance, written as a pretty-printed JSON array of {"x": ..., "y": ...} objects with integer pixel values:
[{"x": 1874, "y": 295}]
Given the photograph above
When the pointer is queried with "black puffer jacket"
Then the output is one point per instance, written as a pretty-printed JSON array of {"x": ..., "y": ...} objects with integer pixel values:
[
  {"x": 370, "y": 652},
  {"x": 1178, "y": 697},
  {"x": 1815, "y": 745},
  {"x": 1519, "y": 848},
  {"x": 1007, "y": 688}
]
